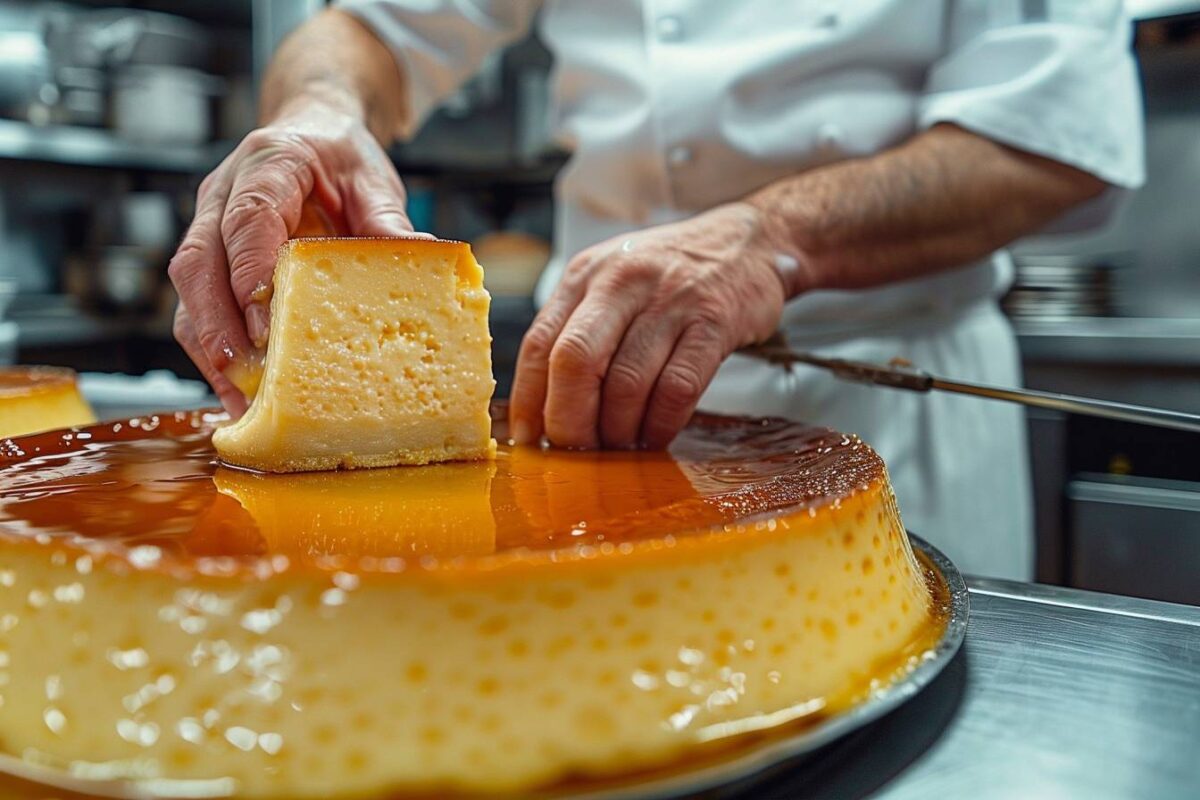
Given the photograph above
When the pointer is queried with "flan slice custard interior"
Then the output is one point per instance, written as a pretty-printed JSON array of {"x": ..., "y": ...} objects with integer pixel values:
[
  {"x": 379, "y": 354},
  {"x": 492, "y": 626}
]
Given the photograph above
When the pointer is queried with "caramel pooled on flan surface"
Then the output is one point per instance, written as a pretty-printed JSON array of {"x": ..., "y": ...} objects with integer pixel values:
[
  {"x": 36, "y": 399},
  {"x": 490, "y": 626}
]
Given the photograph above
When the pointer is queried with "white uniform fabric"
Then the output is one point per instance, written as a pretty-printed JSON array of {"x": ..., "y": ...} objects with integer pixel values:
[{"x": 673, "y": 106}]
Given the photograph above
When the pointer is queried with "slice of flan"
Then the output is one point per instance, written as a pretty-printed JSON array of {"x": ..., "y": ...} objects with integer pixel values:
[
  {"x": 545, "y": 619},
  {"x": 378, "y": 354},
  {"x": 36, "y": 399}
]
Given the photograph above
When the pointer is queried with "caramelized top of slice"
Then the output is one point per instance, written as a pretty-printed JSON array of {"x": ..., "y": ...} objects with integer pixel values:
[
  {"x": 117, "y": 487},
  {"x": 353, "y": 245}
]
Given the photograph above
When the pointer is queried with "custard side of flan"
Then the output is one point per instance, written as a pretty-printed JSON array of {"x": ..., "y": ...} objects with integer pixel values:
[
  {"x": 36, "y": 399},
  {"x": 378, "y": 354},
  {"x": 480, "y": 671}
]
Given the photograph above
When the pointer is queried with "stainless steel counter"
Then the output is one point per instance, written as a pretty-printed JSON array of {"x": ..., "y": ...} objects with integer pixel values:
[{"x": 1057, "y": 693}]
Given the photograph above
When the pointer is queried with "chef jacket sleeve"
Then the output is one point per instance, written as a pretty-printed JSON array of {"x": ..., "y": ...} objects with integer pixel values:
[
  {"x": 1055, "y": 78},
  {"x": 441, "y": 43}
]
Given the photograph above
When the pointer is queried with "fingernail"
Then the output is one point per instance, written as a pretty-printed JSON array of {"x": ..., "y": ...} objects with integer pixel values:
[
  {"x": 522, "y": 432},
  {"x": 258, "y": 322}
]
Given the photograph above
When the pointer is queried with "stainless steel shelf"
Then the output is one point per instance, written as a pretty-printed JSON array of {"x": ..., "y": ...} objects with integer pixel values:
[
  {"x": 91, "y": 147},
  {"x": 1141, "y": 341}
]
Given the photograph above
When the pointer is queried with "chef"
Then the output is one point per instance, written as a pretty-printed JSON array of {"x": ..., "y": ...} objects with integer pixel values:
[{"x": 846, "y": 172}]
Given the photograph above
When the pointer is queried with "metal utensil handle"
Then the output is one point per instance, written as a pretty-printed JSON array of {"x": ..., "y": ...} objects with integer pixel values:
[
  {"x": 857, "y": 371},
  {"x": 918, "y": 381},
  {"x": 1108, "y": 409},
  {"x": 862, "y": 372}
]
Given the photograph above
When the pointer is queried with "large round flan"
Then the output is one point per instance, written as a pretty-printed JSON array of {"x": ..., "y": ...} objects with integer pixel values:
[{"x": 501, "y": 626}]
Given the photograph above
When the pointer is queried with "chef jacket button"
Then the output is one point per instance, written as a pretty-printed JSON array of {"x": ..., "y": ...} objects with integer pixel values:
[
  {"x": 829, "y": 136},
  {"x": 679, "y": 155},
  {"x": 670, "y": 28},
  {"x": 828, "y": 19}
]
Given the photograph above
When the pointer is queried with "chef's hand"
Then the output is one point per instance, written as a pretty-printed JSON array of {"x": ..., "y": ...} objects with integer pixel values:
[
  {"x": 251, "y": 204},
  {"x": 632, "y": 336}
]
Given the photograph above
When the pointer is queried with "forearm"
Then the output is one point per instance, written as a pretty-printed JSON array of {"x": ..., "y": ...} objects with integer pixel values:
[
  {"x": 945, "y": 198},
  {"x": 336, "y": 60}
]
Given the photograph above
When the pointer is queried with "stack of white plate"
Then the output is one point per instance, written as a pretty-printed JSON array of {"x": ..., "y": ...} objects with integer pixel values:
[{"x": 1064, "y": 286}]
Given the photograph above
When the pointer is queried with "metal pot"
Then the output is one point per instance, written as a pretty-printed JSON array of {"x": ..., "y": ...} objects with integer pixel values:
[
  {"x": 24, "y": 63},
  {"x": 120, "y": 37},
  {"x": 142, "y": 219},
  {"x": 163, "y": 105}
]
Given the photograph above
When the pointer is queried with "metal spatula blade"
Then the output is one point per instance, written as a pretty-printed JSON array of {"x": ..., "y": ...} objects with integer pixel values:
[{"x": 905, "y": 377}]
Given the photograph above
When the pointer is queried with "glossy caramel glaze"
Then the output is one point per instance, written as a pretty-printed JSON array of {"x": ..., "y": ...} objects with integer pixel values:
[{"x": 155, "y": 481}]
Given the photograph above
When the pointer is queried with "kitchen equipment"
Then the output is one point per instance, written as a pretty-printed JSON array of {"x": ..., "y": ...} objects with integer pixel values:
[
  {"x": 8, "y": 343},
  {"x": 902, "y": 376},
  {"x": 1135, "y": 536},
  {"x": 141, "y": 219},
  {"x": 86, "y": 48},
  {"x": 534, "y": 136},
  {"x": 8, "y": 291},
  {"x": 116, "y": 278},
  {"x": 81, "y": 96},
  {"x": 123, "y": 36},
  {"x": 1077, "y": 285},
  {"x": 163, "y": 105},
  {"x": 148, "y": 219},
  {"x": 8, "y": 330},
  {"x": 23, "y": 257},
  {"x": 24, "y": 62},
  {"x": 237, "y": 112}
]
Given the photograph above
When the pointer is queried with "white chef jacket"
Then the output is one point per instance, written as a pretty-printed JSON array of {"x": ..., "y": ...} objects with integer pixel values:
[{"x": 671, "y": 107}]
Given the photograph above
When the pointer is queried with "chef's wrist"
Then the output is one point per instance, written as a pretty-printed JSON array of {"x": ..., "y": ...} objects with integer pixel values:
[
  {"x": 791, "y": 264},
  {"x": 314, "y": 99}
]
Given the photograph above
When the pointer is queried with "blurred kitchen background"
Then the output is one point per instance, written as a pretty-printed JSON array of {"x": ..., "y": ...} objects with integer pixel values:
[{"x": 111, "y": 113}]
